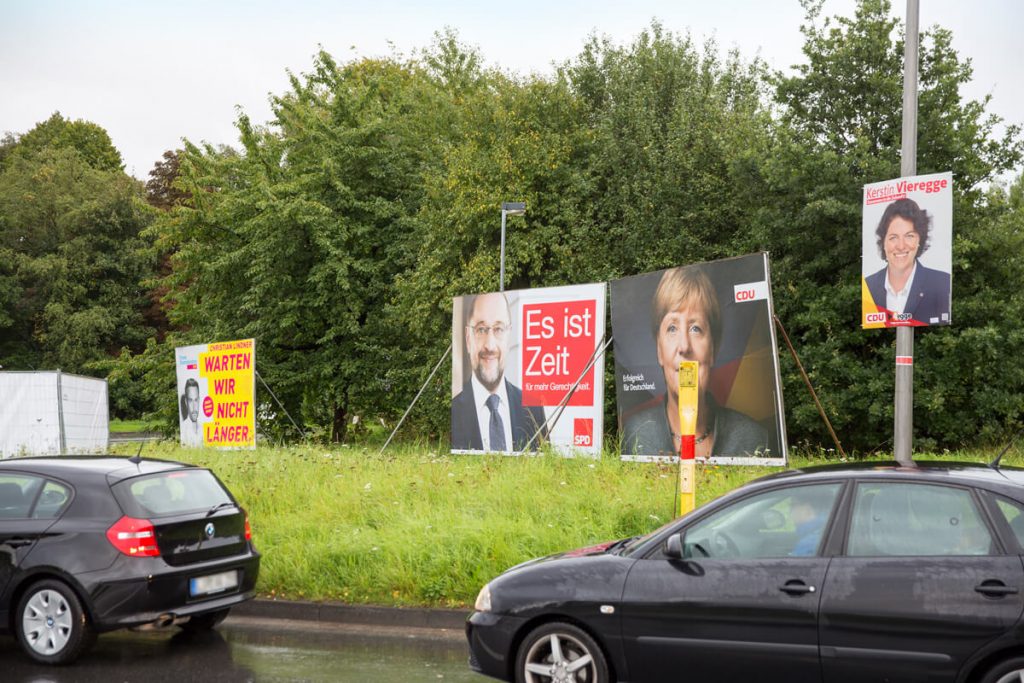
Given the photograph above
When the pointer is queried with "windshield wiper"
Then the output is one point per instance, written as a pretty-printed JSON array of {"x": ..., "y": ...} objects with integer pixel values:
[
  {"x": 219, "y": 506},
  {"x": 619, "y": 546}
]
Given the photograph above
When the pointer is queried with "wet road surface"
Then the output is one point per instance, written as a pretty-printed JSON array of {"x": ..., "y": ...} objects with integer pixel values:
[{"x": 259, "y": 650}]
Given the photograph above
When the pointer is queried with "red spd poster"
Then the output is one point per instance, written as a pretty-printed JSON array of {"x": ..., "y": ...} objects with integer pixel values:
[{"x": 527, "y": 370}]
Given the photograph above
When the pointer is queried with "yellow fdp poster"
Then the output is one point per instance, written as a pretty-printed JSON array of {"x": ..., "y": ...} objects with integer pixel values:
[{"x": 216, "y": 389}]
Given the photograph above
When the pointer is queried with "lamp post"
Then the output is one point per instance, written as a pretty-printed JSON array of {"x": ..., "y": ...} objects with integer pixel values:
[
  {"x": 903, "y": 423},
  {"x": 508, "y": 209}
]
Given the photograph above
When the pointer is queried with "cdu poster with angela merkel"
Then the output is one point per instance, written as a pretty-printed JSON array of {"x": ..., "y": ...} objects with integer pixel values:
[{"x": 718, "y": 314}]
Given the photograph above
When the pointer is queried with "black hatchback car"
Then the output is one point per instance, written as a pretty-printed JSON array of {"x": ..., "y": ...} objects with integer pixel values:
[
  {"x": 92, "y": 544},
  {"x": 850, "y": 574}
]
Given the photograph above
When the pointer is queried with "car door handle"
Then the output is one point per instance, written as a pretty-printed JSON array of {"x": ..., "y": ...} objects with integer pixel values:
[
  {"x": 796, "y": 588},
  {"x": 995, "y": 589},
  {"x": 17, "y": 542}
]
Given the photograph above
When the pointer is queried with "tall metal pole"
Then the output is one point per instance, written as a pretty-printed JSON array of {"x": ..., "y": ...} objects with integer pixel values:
[
  {"x": 903, "y": 429},
  {"x": 501, "y": 283},
  {"x": 508, "y": 209}
]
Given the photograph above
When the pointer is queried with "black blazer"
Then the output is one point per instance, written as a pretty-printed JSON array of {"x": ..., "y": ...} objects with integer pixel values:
[
  {"x": 929, "y": 295},
  {"x": 526, "y": 420}
]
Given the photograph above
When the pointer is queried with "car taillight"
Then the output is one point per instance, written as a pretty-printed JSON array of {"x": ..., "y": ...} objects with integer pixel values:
[
  {"x": 248, "y": 529},
  {"x": 134, "y": 537}
]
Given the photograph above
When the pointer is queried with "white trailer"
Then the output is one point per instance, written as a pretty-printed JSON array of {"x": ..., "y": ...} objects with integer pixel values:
[{"x": 48, "y": 413}]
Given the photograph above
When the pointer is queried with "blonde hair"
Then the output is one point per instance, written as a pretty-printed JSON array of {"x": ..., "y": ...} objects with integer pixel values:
[{"x": 686, "y": 285}]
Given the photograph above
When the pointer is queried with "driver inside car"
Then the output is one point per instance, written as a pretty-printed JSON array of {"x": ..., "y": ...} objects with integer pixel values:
[{"x": 809, "y": 513}]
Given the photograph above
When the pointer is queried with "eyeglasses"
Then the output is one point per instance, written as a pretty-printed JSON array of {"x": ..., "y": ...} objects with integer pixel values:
[{"x": 481, "y": 331}]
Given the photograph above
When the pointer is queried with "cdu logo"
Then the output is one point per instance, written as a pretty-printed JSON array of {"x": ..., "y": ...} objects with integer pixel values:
[
  {"x": 751, "y": 291},
  {"x": 878, "y": 317}
]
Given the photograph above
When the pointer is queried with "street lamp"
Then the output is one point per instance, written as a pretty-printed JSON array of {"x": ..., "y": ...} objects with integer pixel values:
[{"x": 508, "y": 209}]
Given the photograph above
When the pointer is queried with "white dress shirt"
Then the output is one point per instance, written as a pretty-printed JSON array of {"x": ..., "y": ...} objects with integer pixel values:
[{"x": 897, "y": 301}]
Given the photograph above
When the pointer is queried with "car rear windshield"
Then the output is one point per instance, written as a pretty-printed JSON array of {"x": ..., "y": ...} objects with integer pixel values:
[{"x": 171, "y": 493}]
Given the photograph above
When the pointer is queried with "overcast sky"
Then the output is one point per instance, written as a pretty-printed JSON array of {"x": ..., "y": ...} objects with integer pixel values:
[{"x": 152, "y": 73}]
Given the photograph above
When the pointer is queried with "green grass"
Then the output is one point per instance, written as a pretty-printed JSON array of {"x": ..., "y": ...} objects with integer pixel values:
[
  {"x": 119, "y": 426},
  {"x": 418, "y": 526}
]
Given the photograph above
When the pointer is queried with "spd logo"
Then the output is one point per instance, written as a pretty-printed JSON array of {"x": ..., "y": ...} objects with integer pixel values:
[
  {"x": 878, "y": 317},
  {"x": 583, "y": 432}
]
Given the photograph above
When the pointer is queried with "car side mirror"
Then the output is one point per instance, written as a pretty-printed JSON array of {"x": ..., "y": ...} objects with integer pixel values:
[{"x": 674, "y": 547}]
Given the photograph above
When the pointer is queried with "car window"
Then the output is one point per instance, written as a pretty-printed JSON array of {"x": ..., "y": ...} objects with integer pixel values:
[
  {"x": 892, "y": 519},
  {"x": 786, "y": 522},
  {"x": 1014, "y": 514},
  {"x": 170, "y": 493},
  {"x": 17, "y": 493},
  {"x": 52, "y": 501}
]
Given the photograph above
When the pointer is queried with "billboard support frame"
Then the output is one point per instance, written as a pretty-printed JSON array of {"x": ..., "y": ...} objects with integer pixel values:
[
  {"x": 418, "y": 394},
  {"x": 549, "y": 424},
  {"x": 810, "y": 387},
  {"x": 278, "y": 401}
]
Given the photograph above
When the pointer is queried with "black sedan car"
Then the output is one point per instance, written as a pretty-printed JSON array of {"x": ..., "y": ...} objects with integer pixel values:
[
  {"x": 850, "y": 574},
  {"x": 92, "y": 544}
]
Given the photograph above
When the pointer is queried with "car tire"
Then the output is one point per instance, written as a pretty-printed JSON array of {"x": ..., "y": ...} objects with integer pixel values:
[
  {"x": 1008, "y": 671},
  {"x": 51, "y": 624},
  {"x": 560, "y": 652},
  {"x": 205, "y": 622}
]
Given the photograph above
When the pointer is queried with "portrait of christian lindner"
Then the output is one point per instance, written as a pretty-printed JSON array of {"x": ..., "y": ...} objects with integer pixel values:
[
  {"x": 189, "y": 403},
  {"x": 488, "y": 413},
  {"x": 905, "y": 288}
]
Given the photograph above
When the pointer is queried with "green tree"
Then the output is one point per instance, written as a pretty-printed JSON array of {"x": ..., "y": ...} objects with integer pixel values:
[
  {"x": 71, "y": 259},
  {"x": 90, "y": 140},
  {"x": 297, "y": 241},
  {"x": 340, "y": 231},
  {"x": 670, "y": 124},
  {"x": 627, "y": 161}
]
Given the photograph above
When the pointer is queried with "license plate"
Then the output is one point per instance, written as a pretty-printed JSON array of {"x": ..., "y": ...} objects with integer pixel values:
[{"x": 214, "y": 583}]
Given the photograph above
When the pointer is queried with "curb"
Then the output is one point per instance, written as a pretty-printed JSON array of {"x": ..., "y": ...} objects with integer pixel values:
[{"x": 338, "y": 613}]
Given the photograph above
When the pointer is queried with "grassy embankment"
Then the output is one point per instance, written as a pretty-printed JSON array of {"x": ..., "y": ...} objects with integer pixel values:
[
  {"x": 417, "y": 526},
  {"x": 122, "y": 426}
]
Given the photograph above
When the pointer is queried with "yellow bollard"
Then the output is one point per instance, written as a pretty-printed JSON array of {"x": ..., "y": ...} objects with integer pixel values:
[{"x": 688, "y": 395}]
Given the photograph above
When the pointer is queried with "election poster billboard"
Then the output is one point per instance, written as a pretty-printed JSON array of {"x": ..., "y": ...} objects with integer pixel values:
[
  {"x": 516, "y": 358},
  {"x": 907, "y": 252},
  {"x": 719, "y": 314},
  {"x": 216, "y": 394}
]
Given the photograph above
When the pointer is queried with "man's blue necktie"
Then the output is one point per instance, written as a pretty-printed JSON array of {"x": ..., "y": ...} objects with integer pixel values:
[{"x": 496, "y": 427}]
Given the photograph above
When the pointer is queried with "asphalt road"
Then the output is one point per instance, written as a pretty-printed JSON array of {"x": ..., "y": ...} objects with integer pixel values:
[{"x": 247, "y": 648}]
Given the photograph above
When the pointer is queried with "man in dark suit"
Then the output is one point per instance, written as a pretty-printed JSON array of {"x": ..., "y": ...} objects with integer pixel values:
[
  {"x": 909, "y": 292},
  {"x": 189, "y": 404},
  {"x": 488, "y": 414}
]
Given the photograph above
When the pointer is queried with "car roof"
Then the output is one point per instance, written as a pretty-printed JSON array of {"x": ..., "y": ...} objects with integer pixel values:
[
  {"x": 963, "y": 472},
  {"x": 1007, "y": 480},
  {"x": 113, "y": 467}
]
